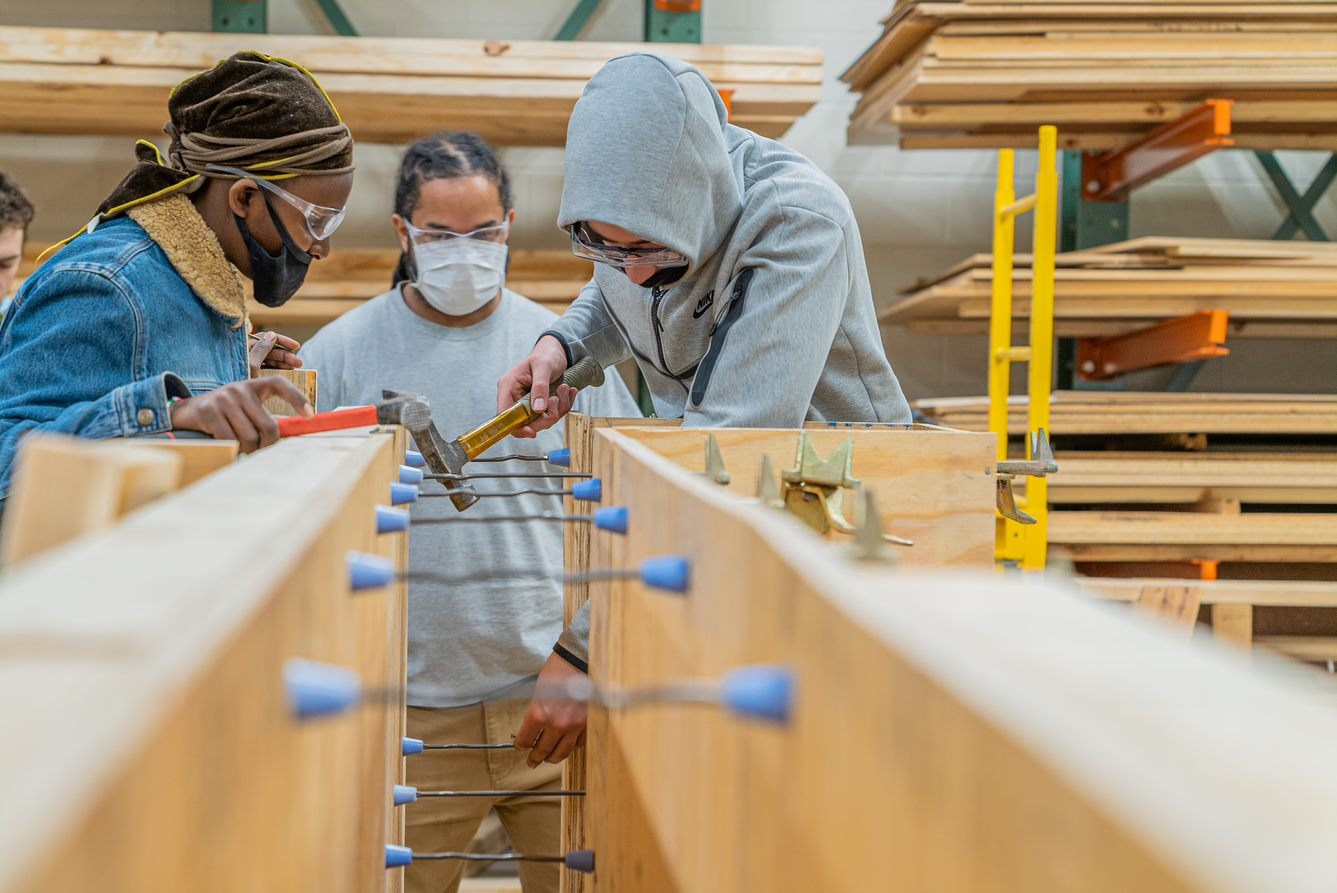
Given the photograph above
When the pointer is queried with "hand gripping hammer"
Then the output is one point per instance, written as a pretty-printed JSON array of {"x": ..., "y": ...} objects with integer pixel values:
[{"x": 442, "y": 457}]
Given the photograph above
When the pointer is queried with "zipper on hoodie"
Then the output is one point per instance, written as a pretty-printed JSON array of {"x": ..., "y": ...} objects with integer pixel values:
[{"x": 656, "y": 297}]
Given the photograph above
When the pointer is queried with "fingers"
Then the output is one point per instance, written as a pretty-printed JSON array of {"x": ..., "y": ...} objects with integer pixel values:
[
  {"x": 543, "y": 747},
  {"x": 514, "y": 385},
  {"x": 266, "y": 426},
  {"x": 570, "y": 741},
  {"x": 558, "y": 405},
  {"x": 538, "y": 389},
  {"x": 531, "y": 728},
  {"x": 261, "y": 345},
  {"x": 289, "y": 344},
  {"x": 239, "y": 421},
  {"x": 280, "y": 358},
  {"x": 284, "y": 390},
  {"x": 284, "y": 353}
]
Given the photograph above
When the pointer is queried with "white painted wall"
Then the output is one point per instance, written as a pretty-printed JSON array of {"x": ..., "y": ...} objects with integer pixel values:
[{"x": 919, "y": 211}]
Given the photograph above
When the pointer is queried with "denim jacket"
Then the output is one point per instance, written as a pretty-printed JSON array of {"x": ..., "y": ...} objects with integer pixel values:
[{"x": 101, "y": 336}]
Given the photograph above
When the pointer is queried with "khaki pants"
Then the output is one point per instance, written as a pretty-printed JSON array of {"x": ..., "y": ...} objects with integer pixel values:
[{"x": 436, "y": 824}]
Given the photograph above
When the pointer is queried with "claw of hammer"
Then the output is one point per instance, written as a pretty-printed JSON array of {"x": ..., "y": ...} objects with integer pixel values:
[{"x": 442, "y": 457}]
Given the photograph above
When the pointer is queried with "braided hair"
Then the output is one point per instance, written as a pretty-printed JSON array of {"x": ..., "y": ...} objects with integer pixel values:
[{"x": 445, "y": 155}]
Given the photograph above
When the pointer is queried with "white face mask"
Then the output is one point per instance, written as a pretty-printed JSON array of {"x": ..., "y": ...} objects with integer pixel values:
[{"x": 457, "y": 276}]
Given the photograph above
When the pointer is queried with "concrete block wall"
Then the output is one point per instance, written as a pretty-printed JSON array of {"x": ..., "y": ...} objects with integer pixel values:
[{"x": 919, "y": 211}]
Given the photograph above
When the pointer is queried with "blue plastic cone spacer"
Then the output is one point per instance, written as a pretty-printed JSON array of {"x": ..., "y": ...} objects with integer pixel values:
[
  {"x": 561, "y": 458},
  {"x": 760, "y": 692},
  {"x": 316, "y": 689},
  {"x": 590, "y": 491},
  {"x": 402, "y": 493},
  {"x": 612, "y": 519},
  {"x": 410, "y": 475},
  {"x": 671, "y": 573},
  {"x": 390, "y": 520},
  {"x": 369, "y": 571},
  {"x": 414, "y": 459},
  {"x": 581, "y": 860},
  {"x": 405, "y": 794},
  {"x": 397, "y": 856},
  {"x": 409, "y": 746}
]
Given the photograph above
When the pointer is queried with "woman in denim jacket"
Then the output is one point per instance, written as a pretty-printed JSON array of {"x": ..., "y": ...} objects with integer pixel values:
[{"x": 138, "y": 325}]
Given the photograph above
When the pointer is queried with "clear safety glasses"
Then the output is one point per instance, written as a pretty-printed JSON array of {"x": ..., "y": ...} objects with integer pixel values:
[
  {"x": 586, "y": 244},
  {"x": 486, "y": 234},
  {"x": 321, "y": 222}
]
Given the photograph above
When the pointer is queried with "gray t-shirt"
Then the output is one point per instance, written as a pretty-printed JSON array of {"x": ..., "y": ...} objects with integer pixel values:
[{"x": 474, "y": 642}]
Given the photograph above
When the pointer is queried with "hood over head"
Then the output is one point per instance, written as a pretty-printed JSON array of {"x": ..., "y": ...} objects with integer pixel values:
[{"x": 646, "y": 151}]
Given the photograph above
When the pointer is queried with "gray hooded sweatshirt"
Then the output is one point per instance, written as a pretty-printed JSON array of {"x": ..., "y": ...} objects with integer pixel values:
[{"x": 773, "y": 323}]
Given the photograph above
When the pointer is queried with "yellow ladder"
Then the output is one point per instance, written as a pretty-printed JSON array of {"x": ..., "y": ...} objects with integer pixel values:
[{"x": 1025, "y": 544}]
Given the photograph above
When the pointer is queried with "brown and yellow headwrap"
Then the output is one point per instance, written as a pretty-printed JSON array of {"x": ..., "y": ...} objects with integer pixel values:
[{"x": 259, "y": 113}]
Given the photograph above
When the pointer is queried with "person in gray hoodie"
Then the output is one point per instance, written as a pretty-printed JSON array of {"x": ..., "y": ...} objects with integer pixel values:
[{"x": 727, "y": 264}]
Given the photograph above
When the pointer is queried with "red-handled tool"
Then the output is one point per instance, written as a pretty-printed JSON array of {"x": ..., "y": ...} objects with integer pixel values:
[{"x": 357, "y": 417}]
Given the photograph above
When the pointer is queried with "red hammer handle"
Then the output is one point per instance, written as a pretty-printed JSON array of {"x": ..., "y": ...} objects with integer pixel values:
[{"x": 357, "y": 417}]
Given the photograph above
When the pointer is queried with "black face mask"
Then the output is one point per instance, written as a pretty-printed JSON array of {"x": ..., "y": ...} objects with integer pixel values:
[
  {"x": 666, "y": 276},
  {"x": 275, "y": 277}
]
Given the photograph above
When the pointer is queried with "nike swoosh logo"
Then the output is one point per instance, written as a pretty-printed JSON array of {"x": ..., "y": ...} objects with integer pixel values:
[{"x": 703, "y": 305}]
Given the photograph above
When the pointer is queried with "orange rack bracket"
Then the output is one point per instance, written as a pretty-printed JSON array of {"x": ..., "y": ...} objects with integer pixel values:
[{"x": 1110, "y": 176}]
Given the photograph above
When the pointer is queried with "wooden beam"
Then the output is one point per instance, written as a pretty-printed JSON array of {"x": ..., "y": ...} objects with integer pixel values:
[
  {"x": 167, "y": 635},
  {"x": 66, "y": 488},
  {"x": 387, "y": 89},
  {"x": 955, "y": 705},
  {"x": 1268, "y": 593},
  {"x": 933, "y": 487}
]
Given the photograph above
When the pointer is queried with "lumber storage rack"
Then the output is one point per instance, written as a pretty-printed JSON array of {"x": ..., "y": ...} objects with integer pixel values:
[
  {"x": 1025, "y": 544},
  {"x": 1095, "y": 211}
]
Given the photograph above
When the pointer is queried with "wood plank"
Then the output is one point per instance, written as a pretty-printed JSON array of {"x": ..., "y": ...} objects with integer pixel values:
[
  {"x": 65, "y": 488},
  {"x": 1004, "y": 698},
  {"x": 1263, "y": 593},
  {"x": 1150, "y": 477},
  {"x": 199, "y": 458},
  {"x": 200, "y": 779},
  {"x": 387, "y": 89},
  {"x": 933, "y": 487},
  {"x": 305, "y": 380},
  {"x": 1312, "y": 649},
  {"x": 1192, "y": 528},
  {"x": 1233, "y": 623},
  {"x": 576, "y": 560},
  {"x": 961, "y": 74},
  {"x": 1126, "y": 412}
]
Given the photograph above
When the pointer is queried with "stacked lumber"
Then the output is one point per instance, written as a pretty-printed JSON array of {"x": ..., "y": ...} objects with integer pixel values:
[
  {"x": 1270, "y": 289},
  {"x": 349, "y": 276},
  {"x": 1245, "y": 493},
  {"x": 987, "y": 73},
  {"x": 56, "y": 80},
  {"x": 1128, "y": 413}
]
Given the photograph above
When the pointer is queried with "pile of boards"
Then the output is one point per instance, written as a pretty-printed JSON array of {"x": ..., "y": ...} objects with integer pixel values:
[
  {"x": 1269, "y": 289},
  {"x": 349, "y": 276},
  {"x": 1244, "y": 479},
  {"x": 57, "y": 80},
  {"x": 987, "y": 73}
]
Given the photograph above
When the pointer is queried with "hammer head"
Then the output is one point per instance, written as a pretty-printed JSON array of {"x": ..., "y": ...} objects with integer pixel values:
[{"x": 442, "y": 457}]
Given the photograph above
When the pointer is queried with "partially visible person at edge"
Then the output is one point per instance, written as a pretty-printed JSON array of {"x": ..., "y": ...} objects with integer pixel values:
[
  {"x": 447, "y": 329},
  {"x": 138, "y": 325},
  {"x": 727, "y": 264},
  {"x": 16, "y": 214}
]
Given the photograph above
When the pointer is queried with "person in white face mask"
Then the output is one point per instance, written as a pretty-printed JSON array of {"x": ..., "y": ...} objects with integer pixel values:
[{"x": 448, "y": 329}]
